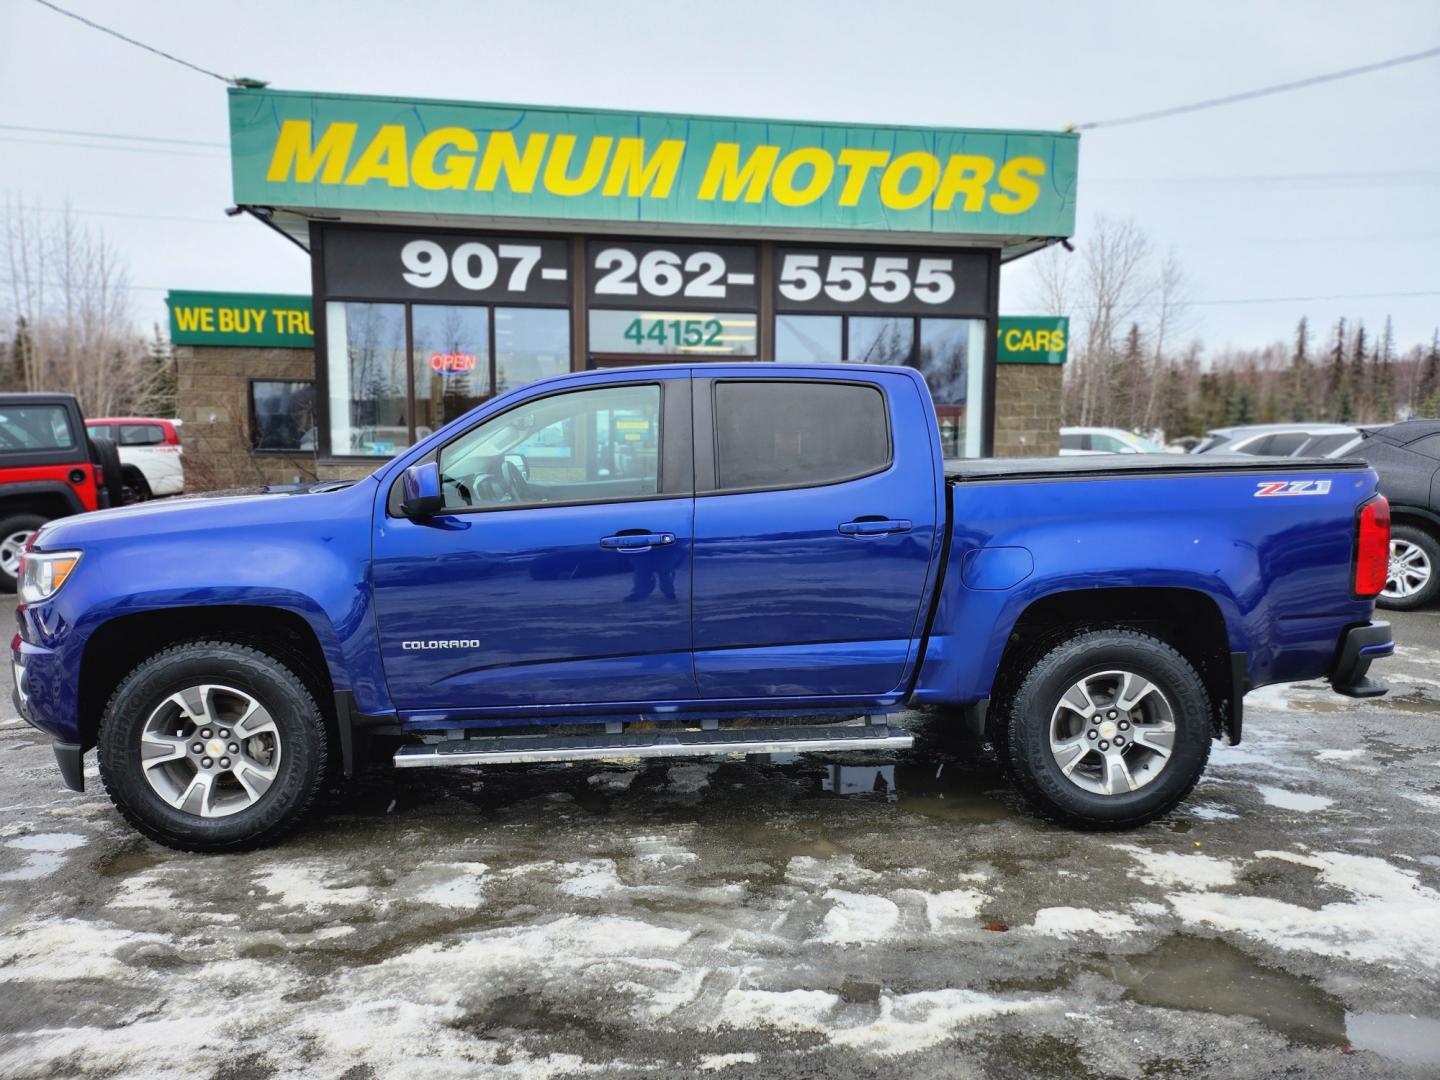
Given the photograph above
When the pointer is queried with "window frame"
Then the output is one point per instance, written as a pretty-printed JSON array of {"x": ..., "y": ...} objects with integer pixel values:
[
  {"x": 675, "y": 474},
  {"x": 254, "y": 427},
  {"x": 706, "y": 438}
]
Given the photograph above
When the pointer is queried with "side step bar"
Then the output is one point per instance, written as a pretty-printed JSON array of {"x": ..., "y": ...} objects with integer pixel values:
[{"x": 505, "y": 750}]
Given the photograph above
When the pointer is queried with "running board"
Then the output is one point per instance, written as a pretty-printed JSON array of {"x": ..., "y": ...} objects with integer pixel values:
[{"x": 507, "y": 750}]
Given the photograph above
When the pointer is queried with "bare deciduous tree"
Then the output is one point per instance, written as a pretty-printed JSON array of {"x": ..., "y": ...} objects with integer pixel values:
[{"x": 72, "y": 291}]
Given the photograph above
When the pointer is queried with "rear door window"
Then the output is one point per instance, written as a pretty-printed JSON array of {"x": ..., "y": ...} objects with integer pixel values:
[
  {"x": 141, "y": 435},
  {"x": 1281, "y": 445},
  {"x": 778, "y": 434},
  {"x": 35, "y": 427},
  {"x": 1074, "y": 442}
]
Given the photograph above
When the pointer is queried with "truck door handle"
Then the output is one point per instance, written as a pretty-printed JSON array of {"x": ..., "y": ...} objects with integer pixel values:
[
  {"x": 634, "y": 542},
  {"x": 874, "y": 526}
]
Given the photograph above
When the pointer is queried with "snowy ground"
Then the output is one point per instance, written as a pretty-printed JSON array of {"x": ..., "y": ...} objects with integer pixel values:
[{"x": 901, "y": 916}]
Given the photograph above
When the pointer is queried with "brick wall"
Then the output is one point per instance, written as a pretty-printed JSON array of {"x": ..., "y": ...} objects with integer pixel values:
[
  {"x": 1027, "y": 409},
  {"x": 212, "y": 389}
]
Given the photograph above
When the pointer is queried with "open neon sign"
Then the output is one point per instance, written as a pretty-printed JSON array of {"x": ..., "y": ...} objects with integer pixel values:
[{"x": 452, "y": 363}]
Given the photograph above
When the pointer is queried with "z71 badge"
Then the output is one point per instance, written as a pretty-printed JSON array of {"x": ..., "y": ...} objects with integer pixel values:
[{"x": 1292, "y": 487}]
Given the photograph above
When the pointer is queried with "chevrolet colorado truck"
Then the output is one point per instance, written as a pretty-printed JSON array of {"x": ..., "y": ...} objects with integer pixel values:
[{"x": 692, "y": 561}]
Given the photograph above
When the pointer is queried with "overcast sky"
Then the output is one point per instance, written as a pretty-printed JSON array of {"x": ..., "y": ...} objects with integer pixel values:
[{"x": 1325, "y": 192}]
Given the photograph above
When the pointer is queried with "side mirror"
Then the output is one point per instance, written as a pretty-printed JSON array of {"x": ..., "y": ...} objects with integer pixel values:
[{"x": 420, "y": 491}]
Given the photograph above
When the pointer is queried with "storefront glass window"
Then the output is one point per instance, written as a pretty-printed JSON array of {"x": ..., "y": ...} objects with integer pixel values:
[
  {"x": 530, "y": 344},
  {"x": 452, "y": 362},
  {"x": 282, "y": 414},
  {"x": 807, "y": 339},
  {"x": 951, "y": 359},
  {"x": 367, "y": 378},
  {"x": 880, "y": 341}
]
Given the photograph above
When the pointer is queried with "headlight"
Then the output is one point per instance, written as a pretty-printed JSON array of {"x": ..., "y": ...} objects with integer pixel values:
[{"x": 43, "y": 572}]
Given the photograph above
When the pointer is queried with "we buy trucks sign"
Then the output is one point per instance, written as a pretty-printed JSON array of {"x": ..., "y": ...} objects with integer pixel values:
[{"x": 264, "y": 320}]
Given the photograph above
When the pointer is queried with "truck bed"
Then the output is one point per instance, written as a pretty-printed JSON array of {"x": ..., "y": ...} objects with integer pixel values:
[{"x": 1098, "y": 466}]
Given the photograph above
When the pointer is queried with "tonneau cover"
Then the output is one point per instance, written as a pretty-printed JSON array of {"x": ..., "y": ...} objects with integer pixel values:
[{"x": 1097, "y": 466}]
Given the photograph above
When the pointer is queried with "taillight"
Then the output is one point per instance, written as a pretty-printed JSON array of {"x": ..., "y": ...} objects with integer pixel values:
[
  {"x": 1372, "y": 547},
  {"x": 172, "y": 435}
]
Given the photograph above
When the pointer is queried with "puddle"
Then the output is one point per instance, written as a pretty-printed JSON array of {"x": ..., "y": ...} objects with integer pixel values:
[
  {"x": 1413, "y": 1040},
  {"x": 1206, "y": 975}
]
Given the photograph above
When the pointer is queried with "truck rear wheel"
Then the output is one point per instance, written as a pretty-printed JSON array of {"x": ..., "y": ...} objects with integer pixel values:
[
  {"x": 212, "y": 746},
  {"x": 1109, "y": 730}
]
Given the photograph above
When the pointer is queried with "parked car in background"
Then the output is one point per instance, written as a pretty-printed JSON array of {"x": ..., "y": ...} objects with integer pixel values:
[
  {"x": 149, "y": 453},
  {"x": 1075, "y": 441},
  {"x": 48, "y": 470},
  {"x": 1277, "y": 440},
  {"x": 1406, "y": 458}
]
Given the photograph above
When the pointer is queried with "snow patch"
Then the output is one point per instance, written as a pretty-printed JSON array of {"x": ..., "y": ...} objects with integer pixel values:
[
  {"x": 911, "y": 1022},
  {"x": 1293, "y": 800},
  {"x": 1070, "y": 921},
  {"x": 953, "y": 909},
  {"x": 858, "y": 918},
  {"x": 716, "y": 1062},
  {"x": 1173, "y": 869},
  {"x": 1340, "y": 755},
  {"x": 837, "y": 870},
  {"x": 306, "y": 885},
  {"x": 1391, "y": 917},
  {"x": 788, "y": 1010}
]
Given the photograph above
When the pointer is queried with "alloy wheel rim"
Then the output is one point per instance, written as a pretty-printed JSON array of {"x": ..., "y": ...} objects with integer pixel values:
[
  {"x": 1112, "y": 733},
  {"x": 11, "y": 548},
  {"x": 1408, "y": 572},
  {"x": 210, "y": 750}
]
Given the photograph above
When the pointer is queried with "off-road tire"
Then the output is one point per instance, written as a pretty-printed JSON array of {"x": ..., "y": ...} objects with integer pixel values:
[
  {"x": 1428, "y": 593},
  {"x": 298, "y": 719},
  {"x": 9, "y": 525},
  {"x": 1026, "y": 746}
]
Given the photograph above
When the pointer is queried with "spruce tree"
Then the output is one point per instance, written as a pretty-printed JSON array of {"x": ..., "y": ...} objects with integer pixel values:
[
  {"x": 1382, "y": 376},
  {"x": 1428, "y": 392},
  {"x": 1356, "y": 377},
  {"x": 1299, "y": 407},
  {"x": 1335, "y": 376}
]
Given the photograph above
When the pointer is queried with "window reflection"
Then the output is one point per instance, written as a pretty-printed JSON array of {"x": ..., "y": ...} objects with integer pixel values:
[
  {"x": 367, "y": 376},
  {"x": 807, "y": 339},
  {"x": 452, "y": 362},
  {"x": 530, "y": 344},
  {"x": 880, "y": 340},
  {"x": 284, "y": 414}
]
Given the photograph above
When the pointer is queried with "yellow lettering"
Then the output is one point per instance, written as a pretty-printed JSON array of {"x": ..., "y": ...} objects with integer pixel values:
[
  {"x": 1057, "y": 340},
  {"x": 724, "y": 173},
  {"x": 227, "y": 320},
  {"x": 384, "y": 159},
  {"x": 929, "y": 169},
  {"x": 859, "y": 163},
  {"x": 629, "y": 169},
  {"x": 294, "y": 153},
  {"x": 557, "y": 169},
  {"x": 207, "y": 319},
  {"x": 1012, "y": 340},
  {"x": 967, "y": 173},
  {"x": 457, "y": 168},
  {"x": 822, "y": 170},
  {"x": 520, "y": 169},
  {"x": 187, "y": 318},
  {"x": 1015, "y": 178}
]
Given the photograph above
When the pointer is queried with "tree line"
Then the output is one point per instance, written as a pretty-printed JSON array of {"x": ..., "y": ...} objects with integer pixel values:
[
  {"x": 67, "y": 323},
  {"x": 1132, "y": 367}
]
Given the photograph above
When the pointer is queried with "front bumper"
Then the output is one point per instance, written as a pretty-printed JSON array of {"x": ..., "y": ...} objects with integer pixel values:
[
  {"x": 69, "y": 756},
  {"x": 1358, "y": 647}
]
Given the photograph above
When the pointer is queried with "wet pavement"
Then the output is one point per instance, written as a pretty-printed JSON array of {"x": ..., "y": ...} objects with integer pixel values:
[{"x": 819, "y": 917}]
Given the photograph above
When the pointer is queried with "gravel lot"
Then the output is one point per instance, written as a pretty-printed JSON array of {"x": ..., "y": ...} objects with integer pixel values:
[{"x": 823, "y": 917}]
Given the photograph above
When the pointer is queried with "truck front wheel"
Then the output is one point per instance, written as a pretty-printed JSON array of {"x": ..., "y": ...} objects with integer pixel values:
[
  {"x": 212, "y": 746},
  {"x": 1109, "y": 730}
]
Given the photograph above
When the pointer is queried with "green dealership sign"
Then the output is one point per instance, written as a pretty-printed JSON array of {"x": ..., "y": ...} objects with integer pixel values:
[
  {"x": 389, "y": 155},
  {"x": 264, "y": 320},
  {"x": 1041, "y": 339}
]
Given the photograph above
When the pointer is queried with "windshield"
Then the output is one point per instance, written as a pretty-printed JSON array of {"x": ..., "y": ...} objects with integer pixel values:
[{"x": 1144, "y": 445}]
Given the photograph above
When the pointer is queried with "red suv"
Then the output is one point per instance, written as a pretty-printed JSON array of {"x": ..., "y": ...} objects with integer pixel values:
[{"x": 48, "y": 469}]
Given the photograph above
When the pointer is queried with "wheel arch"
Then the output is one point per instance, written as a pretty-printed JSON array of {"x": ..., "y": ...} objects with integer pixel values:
[
  {"x": 118, "y": 645},
  {"x": 1188, "y": 620}
]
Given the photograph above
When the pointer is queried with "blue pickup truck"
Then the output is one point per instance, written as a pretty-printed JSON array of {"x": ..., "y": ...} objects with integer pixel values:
[{"x": 689, "y": 561}]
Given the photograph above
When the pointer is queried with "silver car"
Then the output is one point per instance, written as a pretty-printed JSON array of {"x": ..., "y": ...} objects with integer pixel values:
[{"x": 1278, "y": 440}]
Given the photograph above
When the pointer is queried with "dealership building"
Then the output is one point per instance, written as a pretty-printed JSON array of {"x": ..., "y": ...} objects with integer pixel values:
[{"x": 459, "y": 250}]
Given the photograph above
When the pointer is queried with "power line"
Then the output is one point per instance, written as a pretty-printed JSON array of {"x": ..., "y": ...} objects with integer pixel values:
[
  {"x": 1333, "y": 296},
  {"x": 127, "y": 214},
  {"x": 1247, "y": 95},
  {"x": 112, "y": 135},
  {"x": 228, "y": 80},
  {"x": 105, "y": 146}
]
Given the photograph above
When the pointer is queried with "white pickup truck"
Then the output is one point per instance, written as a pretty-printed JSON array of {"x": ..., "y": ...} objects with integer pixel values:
[{"x": 149, "y": 453}]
